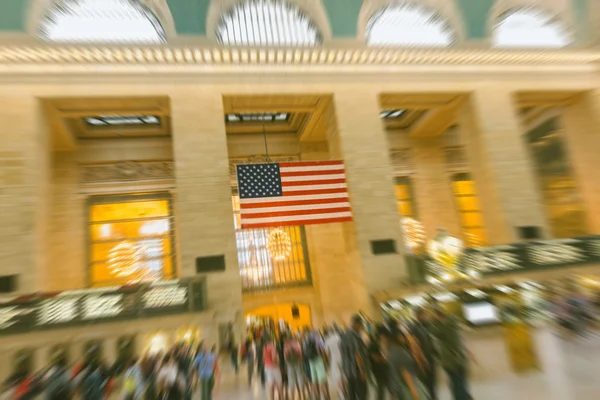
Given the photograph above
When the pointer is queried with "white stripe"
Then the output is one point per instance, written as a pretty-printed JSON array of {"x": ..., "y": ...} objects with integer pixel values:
[
  {"x": 312, "y": 178},
  {"x": 312, "y": 168},
  {"x": 250, "y": 221},
  {"x": 314, "y": 187},
  {"x": 342, "y": 203},
  {"x": 279, "y": 199}
]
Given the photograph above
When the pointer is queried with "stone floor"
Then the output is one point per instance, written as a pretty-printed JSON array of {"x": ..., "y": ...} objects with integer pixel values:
[{"x": 570, "y": 370}]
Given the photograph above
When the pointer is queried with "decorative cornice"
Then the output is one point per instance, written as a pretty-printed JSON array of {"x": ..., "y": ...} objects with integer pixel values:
[
  {"x": 40, "y": 54},
  {"x": 402, "y": 161},
  {"x": 128, "y": 171}
]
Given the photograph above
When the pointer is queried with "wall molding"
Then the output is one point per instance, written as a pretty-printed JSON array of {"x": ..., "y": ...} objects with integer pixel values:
[{"x": 127, "y": 171}]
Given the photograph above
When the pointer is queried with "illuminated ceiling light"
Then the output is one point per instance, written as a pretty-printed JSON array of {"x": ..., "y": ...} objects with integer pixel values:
[
  {"x": 120, "y": 120},
  {"x": 530, "y": 28},
  {"x": 445, "y": 249},
  {"x": 408, "y": 25},
  {"x": 101, "y": 21},
  {"x": 279, "y": 244},
  {"x": 391, "y": 114},
  {"x": 257, "y": 117},
  {"x": 124, "y": 259},
  {"x": 414, "y": 234},
  {"x": 267, "y": 23}
]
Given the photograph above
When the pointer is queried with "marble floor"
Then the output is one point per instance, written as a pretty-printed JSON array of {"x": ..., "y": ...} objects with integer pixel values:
[{"x": 570, "y": 370}]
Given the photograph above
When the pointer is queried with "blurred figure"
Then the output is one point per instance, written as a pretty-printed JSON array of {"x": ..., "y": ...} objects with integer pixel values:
[
  {"x": 295, "y": 370},
  {"x": 249, "y": 357},
  {"x": 205, "y": 367},
  {"x": 58, "y": 383},
  {"x": 421, "y": 331},
  {"x": 233, "y": 352},
  {"x": 379, "y": 364},
  {"x": 333, "y": 346},
  {"x": 453, "y": 355},
  {"x": 315, "y": 352},
  {"x": 133, "y": 382},
  {"x": 260, "y": 363},
  {"x": 93, "y": 383},
  {"x": 272, "y": 369},
  {"x": 355, "y": 361}
]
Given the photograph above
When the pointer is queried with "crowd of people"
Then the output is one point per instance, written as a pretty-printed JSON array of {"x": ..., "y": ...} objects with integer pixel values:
[
  {"x": 396, "y": 360},
  {"x": 173, "y": 375}
]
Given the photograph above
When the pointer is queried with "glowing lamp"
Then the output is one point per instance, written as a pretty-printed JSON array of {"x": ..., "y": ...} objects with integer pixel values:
[{"x": 279, "y": 244}]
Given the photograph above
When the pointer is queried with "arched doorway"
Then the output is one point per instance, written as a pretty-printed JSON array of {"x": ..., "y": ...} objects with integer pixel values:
[{"x": 296, "y": 316}]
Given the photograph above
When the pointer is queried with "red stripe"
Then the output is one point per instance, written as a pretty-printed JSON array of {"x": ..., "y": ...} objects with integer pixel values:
[
  {"x": 310, "y": 163},
  {"x": 246, "y": 217},
  {"x": 293, "y": 203},
  {"x": 298, "y": 222},
  {"x": 313, "y": 172},
  {"x": 314, "y": 192},
  {"x": 307, "y": 183}
]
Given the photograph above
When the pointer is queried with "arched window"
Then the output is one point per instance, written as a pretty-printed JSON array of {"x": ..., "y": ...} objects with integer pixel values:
[
  {"x": 530, "y": 28},
  {"x": 267, "y": 23},
  {"x": 101, "y": 21},
  {"x": 409, "y": 25}
]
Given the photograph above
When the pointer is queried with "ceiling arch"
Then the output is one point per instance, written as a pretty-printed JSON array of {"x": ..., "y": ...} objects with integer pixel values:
[
  {"x": 312, "y": 8},
  {"x": 445, "y": 8}
]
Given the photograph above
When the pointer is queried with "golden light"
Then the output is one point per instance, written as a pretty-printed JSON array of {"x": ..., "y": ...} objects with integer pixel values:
[
  {"x": 279, "y": 244},
  {"x": 124, "y": 259},
  {"x": 474, "y": 241},
  {"x": 446, "y": 250},
  {"x": 414, "y": 234}
]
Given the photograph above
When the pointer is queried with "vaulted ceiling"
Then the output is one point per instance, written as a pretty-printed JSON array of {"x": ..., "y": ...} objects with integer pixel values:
[{"x": 192, "y": 17}]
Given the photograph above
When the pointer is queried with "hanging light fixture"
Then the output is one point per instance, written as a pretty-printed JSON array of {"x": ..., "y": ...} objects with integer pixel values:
[
  {"x": 414, "y": 234},
  {"x": 124, "y": 259},
  {"x": 446, "y": 250},
  {"x": 279, "y": 244}
]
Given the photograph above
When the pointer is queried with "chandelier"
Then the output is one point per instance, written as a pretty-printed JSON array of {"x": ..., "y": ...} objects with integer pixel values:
[
  {"x": 279, "y": 244},
  {"x": 446, "y": 251},
  {"x": 124, "y": 259},
  {"x": 414, "y": 234}
]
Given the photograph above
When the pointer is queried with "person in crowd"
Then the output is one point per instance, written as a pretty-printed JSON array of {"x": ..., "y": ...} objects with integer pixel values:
[
  {"x": 93, "y": 384},
  {"x": 233, "y": 353},
  {"x": 403, "y": 381},
  {"x": 315, "y": 353},
  {"x": 205, "y": 366},
  {"x": 260, "y": 363},
  {"x": 453, "y": 355},
  {"x": 355, "y": 362},
  {"x": 333, "y": 346},
  {"x": 272, "y": 369},
  {"x": 295, "y": 370},
  {"x": 280, "y": 344},
  {"x": 421, "y": 331},
  {"x": 249, "y": 357},
  {"x": 168, "y": 380},
  {"x": 133, "y": 382},
  {"x": 379, "y": 365}
]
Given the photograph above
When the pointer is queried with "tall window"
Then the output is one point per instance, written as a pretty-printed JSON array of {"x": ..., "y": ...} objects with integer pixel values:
[
  {"x": 101, "y": 21},
  {"x": 565, "y": 211},
  {"x": 530, "y": 27},
  {"x": 468, "y": 206},
  {"x": 405, "y": 197},
  {"x": 267, "y": 23},
  {"x": 271, "y": 257},
  {"x": 409, "y": 25},
  {"x": 131, "y": 239}
]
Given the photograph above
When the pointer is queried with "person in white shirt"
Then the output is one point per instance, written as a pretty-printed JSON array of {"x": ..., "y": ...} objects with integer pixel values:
[{"x": 332, "y": 344}]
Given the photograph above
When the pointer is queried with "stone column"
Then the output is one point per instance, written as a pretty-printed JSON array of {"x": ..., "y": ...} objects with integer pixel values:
[
  {"x": 582, "y": 139},
  {"x": 24, "y": 183},
  {"x": 363, "y": 147},
  {"x": 203, "y": 208},
  {"x": 502, "y": 167},
  {"x": 433, "y": 190}
]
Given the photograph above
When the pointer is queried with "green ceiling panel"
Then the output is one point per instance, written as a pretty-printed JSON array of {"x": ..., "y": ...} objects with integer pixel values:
[
  {"x": 189, "y": 16},
  {"x": 343, "y": 16},
  {"x": 475, "y": 17},
  {"x": 13, "y": 15}
]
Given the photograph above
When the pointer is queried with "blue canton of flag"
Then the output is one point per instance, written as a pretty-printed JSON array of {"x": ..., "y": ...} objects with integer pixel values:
[{"x": 259, "y": 180}]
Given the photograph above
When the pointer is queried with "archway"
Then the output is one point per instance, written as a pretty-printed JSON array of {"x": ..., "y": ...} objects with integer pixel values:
[{"x": 296, "y": 316}]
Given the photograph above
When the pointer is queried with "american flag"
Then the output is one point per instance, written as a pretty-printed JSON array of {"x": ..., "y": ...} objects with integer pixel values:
[{"x": 293, "y": 193}]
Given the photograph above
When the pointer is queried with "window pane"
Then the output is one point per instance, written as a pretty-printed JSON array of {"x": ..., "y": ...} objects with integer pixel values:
[
  {"x": 402, "y": 192},
  {"x": 138, "y": 248},
  {"x": 129, "y": 210},
  {"x": 471, "y": 219},
  {"x": 130, "y": 230},
  {"x": 470, "y": 203},
  {"x": 405, "y": 208},
  {"x": 462, "y": 188}
]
